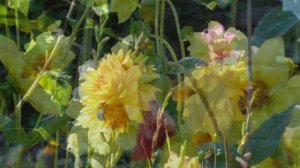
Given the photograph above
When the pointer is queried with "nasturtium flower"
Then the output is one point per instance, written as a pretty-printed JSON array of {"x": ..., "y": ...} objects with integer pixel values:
[
  {"x": 223, "y": 86},
  {"x": 117, "y": 91},
  {"x": 274, "y": 88},
  {"x": 217, "y": 45}
]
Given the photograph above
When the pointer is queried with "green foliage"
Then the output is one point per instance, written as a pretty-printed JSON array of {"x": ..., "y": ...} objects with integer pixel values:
[
  {"x": 124, "y": 8},
  {"x": 147, "y": 10},
  {"x": 275, "y": 23},
  {"x": 265, "y": 139}
]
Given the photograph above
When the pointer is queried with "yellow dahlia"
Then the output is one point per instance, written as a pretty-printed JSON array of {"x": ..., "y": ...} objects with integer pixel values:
[
  {"x": 223, "y": 86},
  {"x": 117, "y": 91}
]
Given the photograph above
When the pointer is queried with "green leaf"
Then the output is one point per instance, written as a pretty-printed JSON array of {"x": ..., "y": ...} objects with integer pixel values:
[
  {"x": 292, "y": 5},
  {"x": 136, "y": 28},
  {"x": 275, "y": 23},
  {"x": 147, "y": 10},
  {"x": 58, "y": 87},
  {"x": 263, "y": 142},
  {"x": 22, "y": 5},
  {"x": 187, "y": 32},
  {"x": 124, "y": 8}
]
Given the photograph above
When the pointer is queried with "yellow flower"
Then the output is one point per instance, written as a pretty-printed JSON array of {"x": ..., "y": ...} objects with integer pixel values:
[
  {"x": 116, "y": 91},
  {"x": 187, "y": 162},
  {"x": 223, "y": 86},
  {"x": 274, "y": 89}
]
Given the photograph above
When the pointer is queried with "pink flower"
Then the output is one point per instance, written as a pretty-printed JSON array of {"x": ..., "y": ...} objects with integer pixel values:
[{"x": 220, "y": 43}]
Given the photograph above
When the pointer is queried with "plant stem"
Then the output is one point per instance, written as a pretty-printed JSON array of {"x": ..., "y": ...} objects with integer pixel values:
[
  {"x": 250, "y": 89},
  {"x": 38, "y": 121},
  {"x": 177, "y": 28},
  {"x": 56, "y": 150},
  {"x": 157, "y": 4},
  {"x": 17, "y": 23},
  {"x": 161, "y": 34}
]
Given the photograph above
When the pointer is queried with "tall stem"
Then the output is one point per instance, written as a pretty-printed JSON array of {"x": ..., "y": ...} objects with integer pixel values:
[
  {"x": 157, "y": 4},
  {"x": 177, "y": 28},
  {"x": 17, "y": 23},
  {"x": 250, "y": 89},
  {"x": 161, "y": 34}
]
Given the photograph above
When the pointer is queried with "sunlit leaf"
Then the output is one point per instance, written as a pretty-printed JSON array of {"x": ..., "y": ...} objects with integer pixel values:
[{"x": 124, "y": 8}]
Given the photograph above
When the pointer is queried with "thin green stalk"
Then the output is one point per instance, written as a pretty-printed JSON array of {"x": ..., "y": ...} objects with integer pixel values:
[
  {"x": 66, "y": 159},
  {"x": 20, "y": 156},
  {"x": 56, "y": 150},
  {"x": 38, "y": 121},
  {"x": 156, "y": 25},
  {"x": 250, "y": 90},
  {"x": 76, "y": 28},
  {"x": 86, "y": 42},
  {"x": 177, "y": 28},
  {"x": 161, "y": 34},
  {"x": 17, "y": 23}
]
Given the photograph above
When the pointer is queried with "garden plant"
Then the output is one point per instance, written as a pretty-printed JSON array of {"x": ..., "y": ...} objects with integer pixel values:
[{"x": 150, "y": 83}]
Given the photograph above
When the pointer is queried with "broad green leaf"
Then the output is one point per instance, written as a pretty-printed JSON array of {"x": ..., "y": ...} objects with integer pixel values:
[
  {"x": 28, "y": 67},
  {"x": 292, "y": 5},
  {"x": 136, "y": 28},
  {"x": 58, "y": 88},
  {"x": 22, "y": 5},
  {"x": 34, "y": 137},
  {"x": 124, "y": 8},
  {"x": 275, "y": 23},
  {"x": 73, "y": 109},
  {"x": 147, "y": 10},
  {"x": 266, "y": 138}
]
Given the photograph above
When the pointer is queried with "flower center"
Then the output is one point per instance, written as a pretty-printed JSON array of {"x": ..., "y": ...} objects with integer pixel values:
[
  {"x": 260, "y": 94},
  {"x": 115, "y": 117}
]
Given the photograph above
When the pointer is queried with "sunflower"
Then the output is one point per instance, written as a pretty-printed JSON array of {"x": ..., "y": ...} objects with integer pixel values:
[{"x": 117, "y": 91}]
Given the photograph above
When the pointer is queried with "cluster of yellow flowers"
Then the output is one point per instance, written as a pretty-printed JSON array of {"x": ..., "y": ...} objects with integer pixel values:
[{"x": 223, "y": 81}]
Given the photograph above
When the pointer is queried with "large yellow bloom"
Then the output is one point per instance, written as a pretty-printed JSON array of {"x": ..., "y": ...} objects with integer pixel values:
[
  {"x": 116, "y": 91},
  {"x": 223, "y": 86}
]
